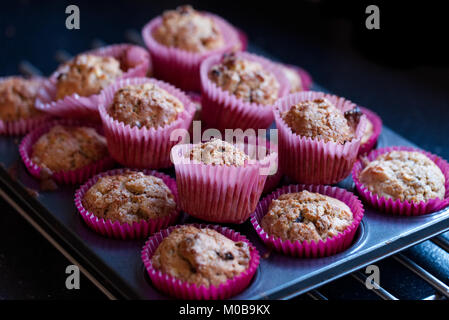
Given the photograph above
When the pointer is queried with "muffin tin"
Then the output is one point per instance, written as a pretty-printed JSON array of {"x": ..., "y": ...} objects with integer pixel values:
[{"x": 115, "y": 266}]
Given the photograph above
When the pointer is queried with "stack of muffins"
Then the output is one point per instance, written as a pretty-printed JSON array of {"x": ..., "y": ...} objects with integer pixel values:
[{"x": 103, "y": 109}]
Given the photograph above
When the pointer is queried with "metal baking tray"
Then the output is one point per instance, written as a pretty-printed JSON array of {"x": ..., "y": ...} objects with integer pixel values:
[{"x": 116, "y": 268}]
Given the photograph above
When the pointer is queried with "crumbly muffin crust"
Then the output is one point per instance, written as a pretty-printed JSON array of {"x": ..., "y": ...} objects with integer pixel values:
[
  {"x": 293, "y": 78},
  {"x": 129, "y": 197},
  {"x": 69, "y": 148},
  {"x": 404, "y": 175},
  {"x": 245, "y": 79},
  {"x": 218, "y": 152},
  {"x": 189, "y": 30},
  {"x": 304, "y": 215},
  {"x": 86, "y": 75},
  {"x": 17, "y": 97},
  {"x": 145, "y": 105},
  {"x": 318, "y": 119},
  {"x": 201, "y": 256}
]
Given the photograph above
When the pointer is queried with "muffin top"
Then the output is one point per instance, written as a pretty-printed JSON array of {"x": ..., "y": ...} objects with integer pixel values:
[
  {"x": 368, "y": 132},
  {"x": 218, "y": 152},
  {"x": 319, "y": 119},
  {"x": 304, "y": 215},
  {"x": 245, "y": 79},
  {"x": 404, "y": 175},
  {"x": 129, "y": 197},
  {"x": 17, "y": 97},
  {"x": 201, "y": 256},
  {"x": 189, "y": 30},
  {"x": 69, "y": 148},
  {"x": 145, "y": 105},
  {"x": 86, "y": 75},
  {"x": 293, "y": 78}
]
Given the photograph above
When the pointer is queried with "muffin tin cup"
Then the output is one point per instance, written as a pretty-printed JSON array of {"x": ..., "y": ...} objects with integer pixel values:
[
  {"x": 224, "y": 194},
  {"x": 377, "y": 128},
  {"x": 125, "y": 231},
  {"x": 398, "y": 207},
  {"x": 180, "y": 67},
  {"x": 190, "y": 291},
  {"x": 313, "y": 161},
  {"x": 63, "y": 177},
  {"x": 222, "y": 110},
  {"x": 306, "y": 79},
  {"x": 310, "y": 249},
  {"x": 137, "y": 61},
  {"x": 141, "y": 147}
]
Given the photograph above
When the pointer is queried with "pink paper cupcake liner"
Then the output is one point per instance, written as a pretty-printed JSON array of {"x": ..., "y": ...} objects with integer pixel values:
[
  {"x": 306, "y": 79},
  {"x": 135, "y": 59},
  {"x": 125, "y": 231},
  {"x": 181, "y": 67},
  {"x": 65, "y": 177},
  {"x": 311, "y": 249},
  {"x": 377, "y": 128},
  {"x": 243, "y": 38},
  {"x": 222, "y": 110},
  {"x": 314, "y": 161},
  {"x": 22, "y": 126},
  {"x": 190, "y": 291},
  {"x": 225, "y": 194},
  {"x": 143, "y": 148},
  {"x": 398, "y": 207}
]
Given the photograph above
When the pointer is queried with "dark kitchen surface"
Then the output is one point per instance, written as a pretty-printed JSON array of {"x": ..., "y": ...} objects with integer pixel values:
[{"x": 413, "y": 99}]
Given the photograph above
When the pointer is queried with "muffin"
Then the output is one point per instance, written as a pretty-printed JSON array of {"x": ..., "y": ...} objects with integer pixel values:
[
  {"x": 139, "y": 116},
  {"x": 65, "y": 148},
  {"x": 404, "y": 175},
  {"x": 293, "y": 78},
  {"x": 145, "y": 105},
  {"x": 201, "y": 256},
  {"x": 179, "y": 40},
  {"x": 218, "y": 152},
  {"x": 239, "y": 89},
  {"x": 129, "y": 197},
  {"x": 319, "y": 136},
  {"x": 372, "y": 131},
  {"x": 245, "y": 79},
  {"x": 306, "y": 216}
]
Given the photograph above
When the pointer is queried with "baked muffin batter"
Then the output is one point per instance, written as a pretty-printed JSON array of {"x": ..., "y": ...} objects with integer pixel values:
[
  {"x": 318, "y": 119},
  {"x": 69, "y": 148},
  {"x": 129, "y": 197},
  {"x": 218, "y": 152},
  {"x": 293, "y": 78},
  {"x": 369, "y": 130},
  {"x": 247, "y": 80},
  {"x": 86, "y": 75},
  {"x": 404, "y": 175},
  {"x": 189, "y": 30},
  {"x": 201, "y": 256},
  {"x": 145, "y": 105},
  {"x": 17, "y": 97},
  {"x": 305, "y": 216}
]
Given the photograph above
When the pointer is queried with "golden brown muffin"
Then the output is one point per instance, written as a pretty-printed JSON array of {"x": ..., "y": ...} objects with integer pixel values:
[
  {"x": 129, "y": 197},
  {"x": 305, "y": 216},
  {"x": 145, "y": 105},
  {"x": 404, "y": 175},
  {"x": 69, "y": 148},
  {"x": 86, "y": 75},
  {"x": 17, "y": 97},
  {"x": 293, "y": 78},
  {"x": 319, "y": 119},
  {"x": 218, "y": 152},
  {"x": 201, "y": 256},
  {"x": 247, "y": 80},
  {"x": 368, "y": 132},
  {"x": 189, "y": 30}
]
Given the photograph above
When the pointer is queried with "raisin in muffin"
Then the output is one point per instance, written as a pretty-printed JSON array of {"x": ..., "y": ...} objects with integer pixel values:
[
  {"x": 189, "y": 30},
  {"x": 65, "y": 148},
  {"x": 201, "y": 256},
  {"x": 145, "y": 105},
  {"x": 129, "y": 197},
  {"x": 246, "y": 80},
  {"x": 306, "y": 216},
  {"x": 320, "y": 119},
  {"x": 218, "y": 152},
  {"x": 404, "y": 175},
  {"x": 86, "y": 75},
  {"x": 17, "y": 97},
  {"x": 293, "y": 78}
]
